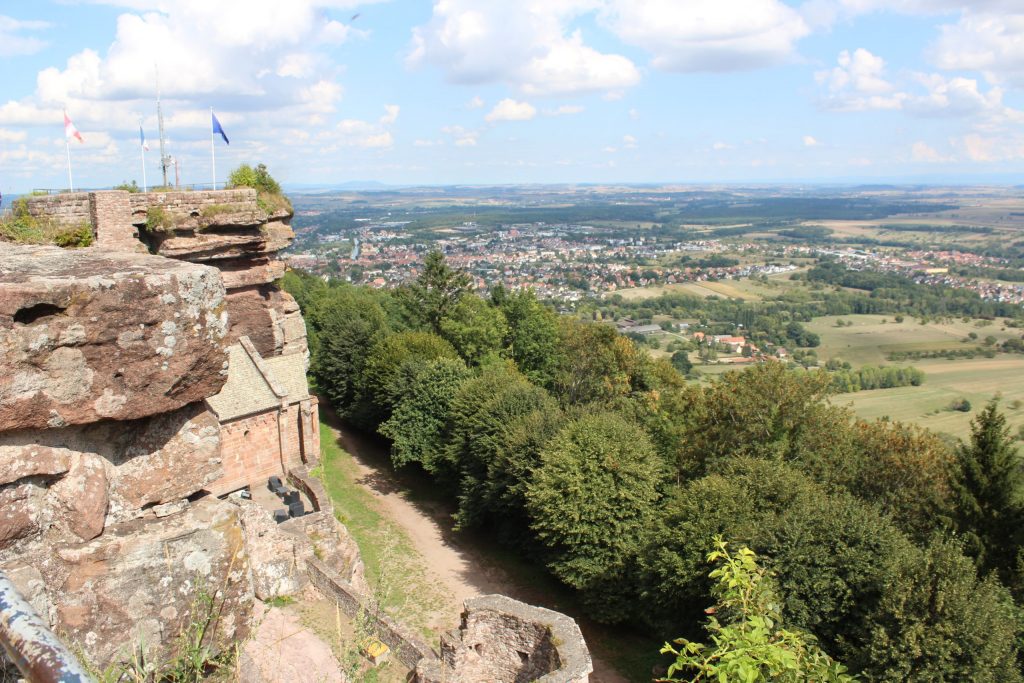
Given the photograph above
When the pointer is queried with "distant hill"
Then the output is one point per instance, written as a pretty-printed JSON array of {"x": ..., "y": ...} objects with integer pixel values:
[{"x": 352, "y": 185}]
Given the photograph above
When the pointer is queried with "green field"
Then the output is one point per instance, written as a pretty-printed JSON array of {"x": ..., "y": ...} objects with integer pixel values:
[
  {"x": 745, "y": 289},
  {"x": 976, "y": 380},
  {"x": 869, "y": 340}
]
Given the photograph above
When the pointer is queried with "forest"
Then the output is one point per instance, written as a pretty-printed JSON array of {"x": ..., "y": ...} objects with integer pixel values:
[{"x": 877, "y": 544}]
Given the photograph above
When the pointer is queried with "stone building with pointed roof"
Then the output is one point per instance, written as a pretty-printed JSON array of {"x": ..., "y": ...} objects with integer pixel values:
[{"x": 268, "y": 420}]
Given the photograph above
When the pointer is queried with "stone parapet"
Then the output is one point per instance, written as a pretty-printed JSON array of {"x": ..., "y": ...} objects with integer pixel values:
[{"x": 407, "y": 647}]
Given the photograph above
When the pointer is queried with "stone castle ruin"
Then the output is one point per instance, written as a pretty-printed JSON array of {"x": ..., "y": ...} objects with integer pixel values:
[{"x": 144, "y": 378}]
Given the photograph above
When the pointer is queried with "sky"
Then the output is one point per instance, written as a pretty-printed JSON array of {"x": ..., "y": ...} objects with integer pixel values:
[{"x": 523, "y": 91}]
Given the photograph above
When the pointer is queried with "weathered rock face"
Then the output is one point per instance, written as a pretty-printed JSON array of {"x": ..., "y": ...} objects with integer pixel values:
[
  {"x": 136, "y": 586},
  {"x": 269, "y": 317},
  {"x": 87, "y": 336},
  {"x": 71, "y": 482},
  {"x": 507, "y": 641}
]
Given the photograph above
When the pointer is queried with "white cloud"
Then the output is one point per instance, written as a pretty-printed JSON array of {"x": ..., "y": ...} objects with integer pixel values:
[
  {"x": 462, "y": 137},
  {"x": 708, "y": 35},
  {"x": 12, "y": 40},
  {"x": 427, "y": 143},
  {"x": 628, "y": 142},
  {"x": 12, "y": 135},
  {"x": 475, "y": 103},
  {"x": 564, "y": 110},
  {"x": 634, "y": 114},
  {"x": 858, "y": 83},
  {"x": 991, "y": 42},
  {"x": 511, "y": 110},
  {"x": 923, "y": 153},
  {"x": 525, "y": 45},
  {"x": 359, "y": 133},
  {"x": 206, "y": 53},
  {"x": 956, "y": 96},
  {"x": 811, "y": 141},
  {"x": 722, "y": 146}
]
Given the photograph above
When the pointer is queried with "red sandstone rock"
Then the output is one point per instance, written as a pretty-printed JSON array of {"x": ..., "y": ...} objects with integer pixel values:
[
  {"x": 135, "y": 586},
  {"x": 87, "y": 335},
  {"x": 18, "y": 513},
  {"x": 82, "y": 496},
  {"x": 269, "y": 317},
  {"x": 169, "y": 458},
  {"x": 29, "y": 459}
]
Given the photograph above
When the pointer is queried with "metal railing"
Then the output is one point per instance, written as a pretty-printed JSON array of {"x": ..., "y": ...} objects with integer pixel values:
[
  {"x": 184, "y": 187},
  {"x": 30, "y": 644}
]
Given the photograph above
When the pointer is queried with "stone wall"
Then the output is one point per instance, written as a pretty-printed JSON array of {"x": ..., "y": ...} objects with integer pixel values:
[
  {"x": 251, "y": 451},
  {"x": 69, "y": 209},
  {"x": 405, "y": 646}
]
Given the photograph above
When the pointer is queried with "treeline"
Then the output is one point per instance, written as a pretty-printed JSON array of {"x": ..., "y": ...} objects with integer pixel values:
[
  {"x": 948, "y": 354},
  {"x": 779, "y": 321},
  {"x": 898, "y": 294},
  {"x": 564, "y": 440},
  {"x": 872, "y": 377}
]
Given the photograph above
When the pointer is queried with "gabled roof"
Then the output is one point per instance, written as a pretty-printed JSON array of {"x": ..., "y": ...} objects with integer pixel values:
[{"x": 256, "y": 385}]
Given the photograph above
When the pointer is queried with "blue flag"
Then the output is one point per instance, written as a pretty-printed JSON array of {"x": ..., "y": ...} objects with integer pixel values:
[{"x": 217, "y": 128}]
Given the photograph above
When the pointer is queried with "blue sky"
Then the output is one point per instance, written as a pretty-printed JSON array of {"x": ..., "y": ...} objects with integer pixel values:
[{"x": 493, "y": 91}]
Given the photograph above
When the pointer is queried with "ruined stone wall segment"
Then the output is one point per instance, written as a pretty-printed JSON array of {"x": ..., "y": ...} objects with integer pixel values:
[
  {"x": 407, "y": 648},
  {"x": 70, "y": 209},
  {"x": 506, "y": 641},
  {"x": 110, "y": 214},
  {"x": 88, "y": 335}
]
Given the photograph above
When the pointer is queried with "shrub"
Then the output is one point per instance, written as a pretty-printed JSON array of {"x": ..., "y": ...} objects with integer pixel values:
[
  {"x": 961, "y": 404},
  {"x": 157, "y": 220},
  {"x": 21, "y": 227},
  {"x": 128, "y": 187},
  {"x": 268, "y": 191}
]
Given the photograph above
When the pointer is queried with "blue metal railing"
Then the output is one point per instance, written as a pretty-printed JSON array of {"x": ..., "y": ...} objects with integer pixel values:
[{"x": 30, "y": 644}]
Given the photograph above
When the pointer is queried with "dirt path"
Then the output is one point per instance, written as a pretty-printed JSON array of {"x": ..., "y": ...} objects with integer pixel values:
[{"x": 462, "y": 572}]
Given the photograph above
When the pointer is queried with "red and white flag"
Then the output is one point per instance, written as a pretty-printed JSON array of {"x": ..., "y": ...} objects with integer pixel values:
[{"x": 70, "y": 131}]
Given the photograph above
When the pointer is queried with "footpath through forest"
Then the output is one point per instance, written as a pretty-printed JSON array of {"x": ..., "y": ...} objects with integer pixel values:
[{"x": 458, "y": 562}]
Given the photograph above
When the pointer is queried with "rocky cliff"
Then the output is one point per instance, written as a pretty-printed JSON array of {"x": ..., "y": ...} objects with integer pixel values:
[{"x": 108, "y": 447}]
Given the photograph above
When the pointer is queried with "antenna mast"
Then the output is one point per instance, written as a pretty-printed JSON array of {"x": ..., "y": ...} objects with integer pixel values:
[{"x": 164, "y": 159}]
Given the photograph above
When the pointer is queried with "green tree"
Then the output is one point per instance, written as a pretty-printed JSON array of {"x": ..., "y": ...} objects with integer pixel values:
[
  {"x": 761, "y": 411},
  {"x": 681, "y": 361},
  {"x": 348, "y": 322},
  {"x": 475, "y": 328},
  {"x": 828, "y": 550},
  {"x": 750, "y": 643},
  {"x": 593, "y": 495},
  {"x": 597, "y": 364},
  {"x": 937, "y": 621},
  {"x": 382, "y": 384},
  {"x": 532, "y": 337},
  {"x": 416, "y": 426},
  {"x": 986, "y": 489},
  {"x": 434, "y": 293}
]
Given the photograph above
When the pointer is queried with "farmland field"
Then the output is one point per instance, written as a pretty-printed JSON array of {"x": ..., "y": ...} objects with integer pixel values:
[
  {"x": 976, "y": 380},
  {"x": 869, "y": 340}
]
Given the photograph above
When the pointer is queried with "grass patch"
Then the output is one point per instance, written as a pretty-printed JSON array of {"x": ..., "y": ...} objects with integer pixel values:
[
  {"x": 212, "y": 210},
  {"x": 386, "y": 551},
  {"x": 21, "y": 227}
]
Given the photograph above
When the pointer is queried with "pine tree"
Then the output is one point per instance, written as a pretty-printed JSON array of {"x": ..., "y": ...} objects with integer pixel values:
[{"x": 985, "y": 492}]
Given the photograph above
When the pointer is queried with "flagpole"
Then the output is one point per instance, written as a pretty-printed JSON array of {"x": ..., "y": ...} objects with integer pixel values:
[
  {"x": 67, "y": 148},
  {"x": 142, "y": 147},
  {"x": 213, "y": 152}
]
